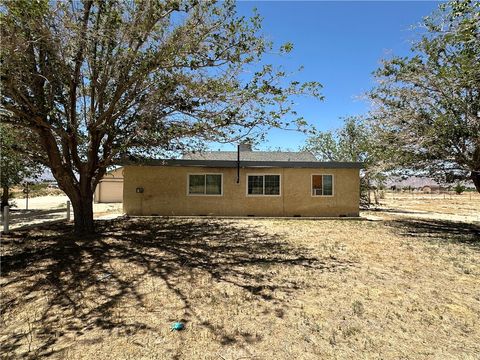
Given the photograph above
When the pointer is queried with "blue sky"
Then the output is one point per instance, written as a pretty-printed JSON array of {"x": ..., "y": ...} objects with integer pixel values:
[{"x": 340, "y": 44}]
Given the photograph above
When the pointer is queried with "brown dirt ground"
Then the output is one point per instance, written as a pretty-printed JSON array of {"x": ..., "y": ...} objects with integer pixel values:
[{"x": 246, "y": 289}]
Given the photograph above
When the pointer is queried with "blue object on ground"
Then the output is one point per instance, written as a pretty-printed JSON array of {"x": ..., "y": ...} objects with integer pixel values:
[{"x": 178, "y": 326}]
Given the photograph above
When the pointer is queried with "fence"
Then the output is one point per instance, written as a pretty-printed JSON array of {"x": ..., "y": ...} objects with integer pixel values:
[
  {"x": 21, "y": 218},
  {"x": 436, "y": 195}
]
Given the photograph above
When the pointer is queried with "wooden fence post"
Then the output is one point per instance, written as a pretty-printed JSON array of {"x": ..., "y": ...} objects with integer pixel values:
[
  {"x": 68, "y": 210},
  {"x": 6, "y": 219}
]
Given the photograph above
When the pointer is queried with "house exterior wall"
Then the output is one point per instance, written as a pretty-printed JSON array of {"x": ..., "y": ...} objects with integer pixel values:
[
  {"x": 165, "y": 193},
  {"x": 110, "y": 188}
]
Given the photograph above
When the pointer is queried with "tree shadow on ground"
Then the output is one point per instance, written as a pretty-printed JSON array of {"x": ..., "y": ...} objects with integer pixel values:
[
  {"x": 20, "y": 216},
  {"x": 381, "y": 209},
  {"x": 439, "y": 230},
  {"x": 83, "y": 288}
]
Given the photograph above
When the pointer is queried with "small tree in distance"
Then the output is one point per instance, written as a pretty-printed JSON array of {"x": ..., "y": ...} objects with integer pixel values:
[
  {"x": 459, "y": 188},
  {"x": 14, "y": 166},
  {"x": 93, "y": 81},
  {"x": 355, "y": 141}
]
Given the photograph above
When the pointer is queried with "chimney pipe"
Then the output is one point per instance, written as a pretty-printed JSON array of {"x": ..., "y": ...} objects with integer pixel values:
[{"x": 238, "y": 164}]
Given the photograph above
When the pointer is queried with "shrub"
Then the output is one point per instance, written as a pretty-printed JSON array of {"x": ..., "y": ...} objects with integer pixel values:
[{"x": 459, "y": 188}]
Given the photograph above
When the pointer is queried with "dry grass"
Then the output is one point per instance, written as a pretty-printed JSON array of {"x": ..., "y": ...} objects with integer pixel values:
[
  {"x": 36, "y": 191},
  {"x": 246, "y": 289},
  {"x": 447, "y": 206}
]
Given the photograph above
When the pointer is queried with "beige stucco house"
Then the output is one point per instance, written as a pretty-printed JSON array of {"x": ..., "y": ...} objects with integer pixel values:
[
  {"x": 258, "y": 184},
  {"x": 110, "y": 188}
]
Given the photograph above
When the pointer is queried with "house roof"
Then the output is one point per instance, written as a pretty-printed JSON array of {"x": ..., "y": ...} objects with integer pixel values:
[
  {"x": 244, "y": 164},
  {"x": 251, "y": 156}
]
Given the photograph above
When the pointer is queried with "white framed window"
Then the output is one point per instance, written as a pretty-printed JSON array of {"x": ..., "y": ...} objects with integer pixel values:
[
  {"x": 205, "y": 184},
  {"x": 322, "y": 185},
  {"x": 263, "y": 184}
]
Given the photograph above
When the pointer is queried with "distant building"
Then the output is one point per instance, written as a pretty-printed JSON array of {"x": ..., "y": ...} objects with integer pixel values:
[
  {"x": 110, "y": 188},
  {"x": 424, "y": 184}
]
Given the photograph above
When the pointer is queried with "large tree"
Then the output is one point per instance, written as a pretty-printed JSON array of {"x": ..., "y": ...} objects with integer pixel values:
[
  {"x": 96, "y": 80},
  {"x": 428, "y": 103}
]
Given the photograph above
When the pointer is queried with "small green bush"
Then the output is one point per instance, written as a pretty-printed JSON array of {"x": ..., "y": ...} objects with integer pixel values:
[{"x": 459, "y": 188}]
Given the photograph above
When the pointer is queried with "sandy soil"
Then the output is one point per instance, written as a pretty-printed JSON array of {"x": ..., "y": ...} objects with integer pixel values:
[
  {"x": 53, "y": 202},
  {"x": 41, "y": 202},
  {"x": 44, "y": 209}
]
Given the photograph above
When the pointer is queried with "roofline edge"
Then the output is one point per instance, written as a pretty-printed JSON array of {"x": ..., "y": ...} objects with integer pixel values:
[{"x": 244, "y": 164}]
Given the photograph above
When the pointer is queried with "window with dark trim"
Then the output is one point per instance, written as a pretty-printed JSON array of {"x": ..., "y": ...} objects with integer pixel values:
[
  {"x": 322, "y": 185},
  {"x": 263, "y": 185},
  {"x": 205, "y": 184}
]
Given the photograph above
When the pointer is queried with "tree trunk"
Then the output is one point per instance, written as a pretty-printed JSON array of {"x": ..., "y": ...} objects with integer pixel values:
[
  {"x": 476, "y": 179},
  {"x": 83, "y": 213},
  {"x": 5, "y": 194}
]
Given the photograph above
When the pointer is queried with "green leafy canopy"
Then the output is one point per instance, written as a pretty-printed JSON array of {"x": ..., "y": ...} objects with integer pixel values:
[
  {"x": 427, "y": 105},
  {"x": 95, "y": 81},
  {"x": 15, "y": 167}
]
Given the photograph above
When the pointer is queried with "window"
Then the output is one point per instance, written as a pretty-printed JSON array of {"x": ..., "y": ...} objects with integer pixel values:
[
  {"x": 263, "y": 185},
  {"x": 205, "y": 184},
  {"x": 322, "y": 185}
]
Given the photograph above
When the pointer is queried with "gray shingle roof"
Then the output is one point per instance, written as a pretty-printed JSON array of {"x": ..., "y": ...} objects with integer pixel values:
[
  {"x": 251, "y": 156},
  {"x": 243, "y": 164}
]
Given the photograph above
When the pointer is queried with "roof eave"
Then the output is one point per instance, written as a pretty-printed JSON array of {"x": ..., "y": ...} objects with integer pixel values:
[{"x": 245, "y": 164}]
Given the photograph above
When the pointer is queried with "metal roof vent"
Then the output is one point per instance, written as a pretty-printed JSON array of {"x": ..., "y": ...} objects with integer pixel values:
[{"x": 245, "y": 147}]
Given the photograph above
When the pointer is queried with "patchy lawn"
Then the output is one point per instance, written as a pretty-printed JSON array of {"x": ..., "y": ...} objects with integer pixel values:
[{"x": 250, "y": 289}]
